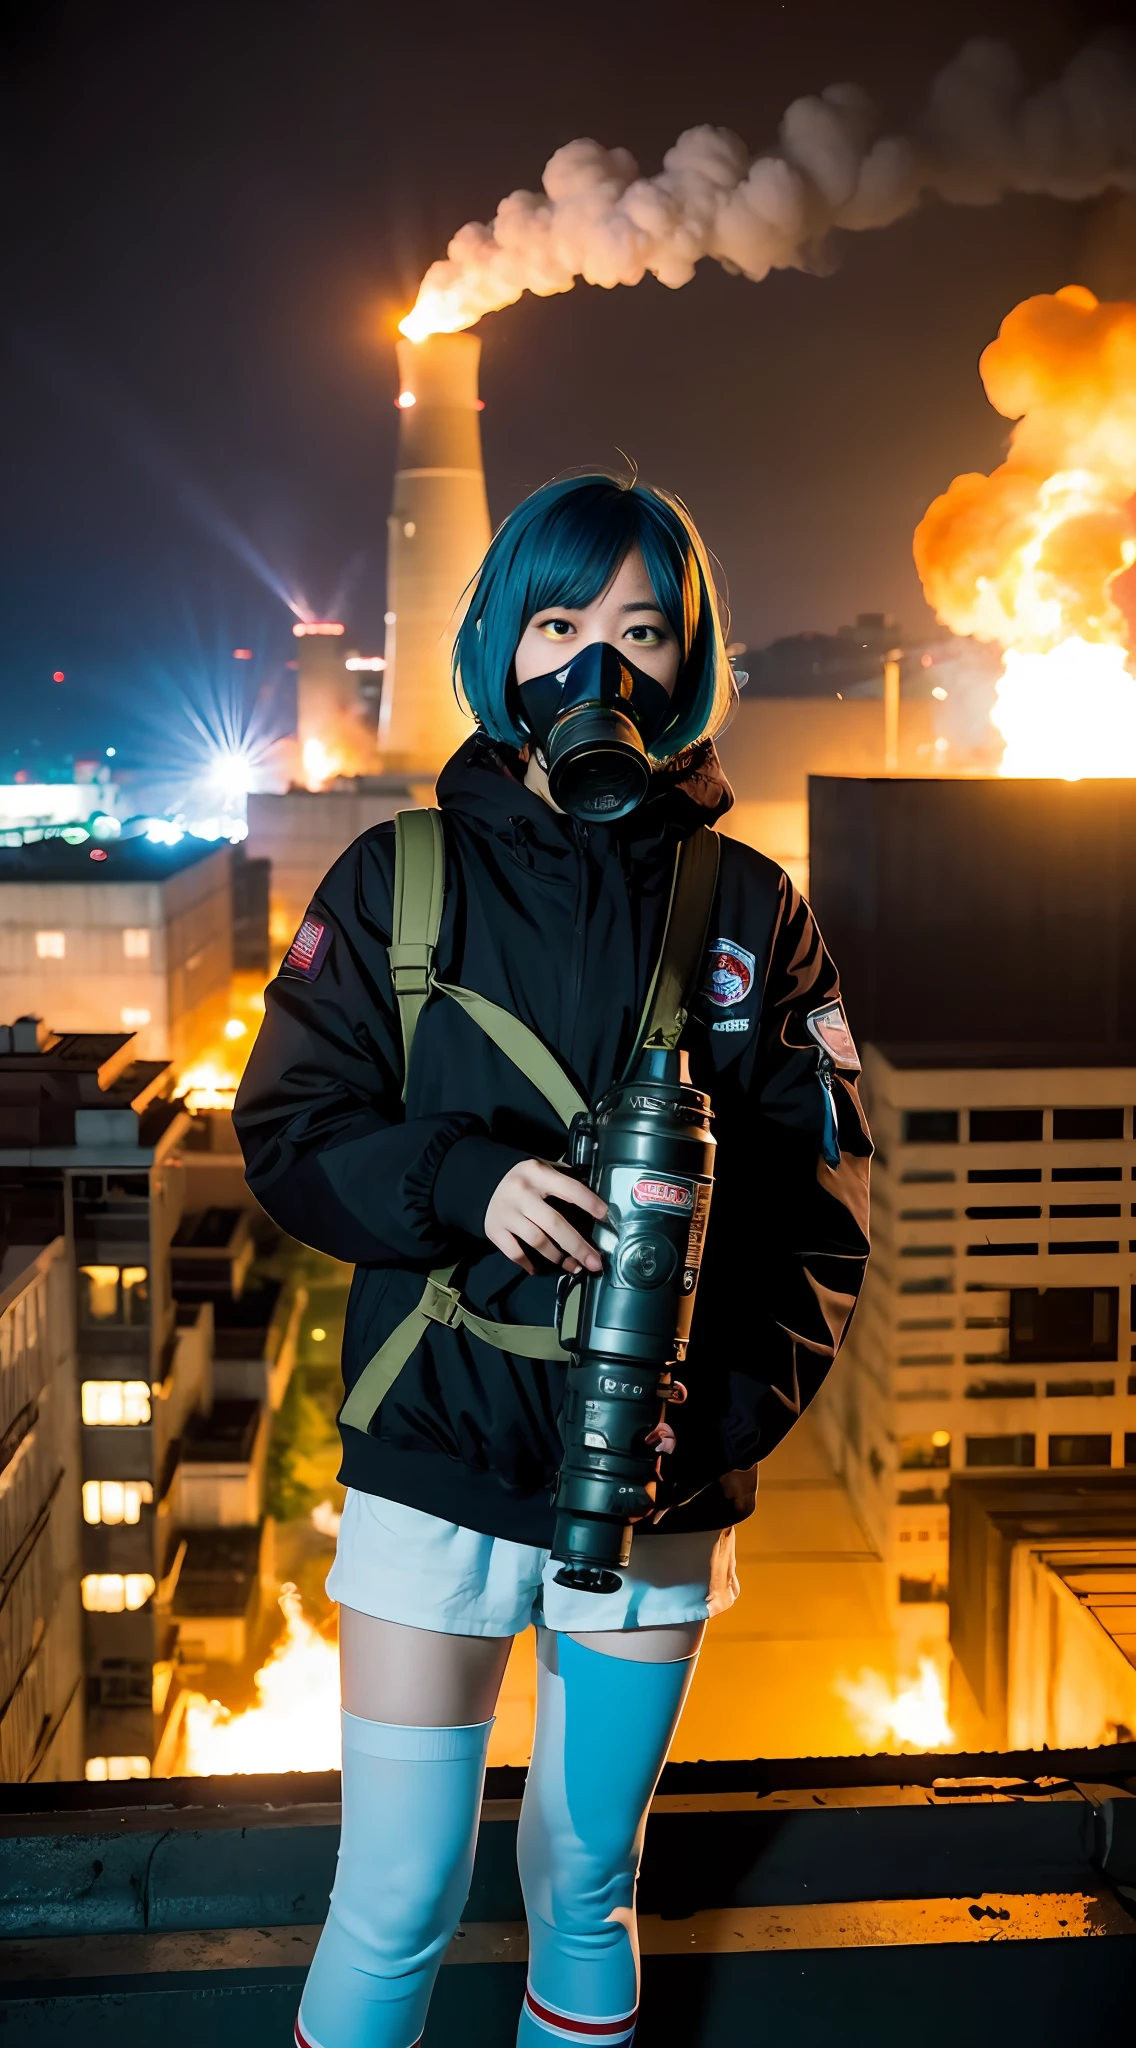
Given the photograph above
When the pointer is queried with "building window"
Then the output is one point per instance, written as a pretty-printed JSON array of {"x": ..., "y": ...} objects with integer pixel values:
[
  {"x": 50, "y": 945},
  {"x": 115, "y": 1500},
  {"x": 136, "y": 943},
  {"x": 1001, "y": 1390},
  {"x": 989, "y": 1174},
  {"x": 115, "y": 1297},
  {"x": 1085, "y": 1124},
  {"x": 1069, "y": 1390},
  {"x": 1130, "y": 1447},
  {"x": 1080, "y": 1450},
  {"x": 930, "y": 1127},
  {"x": 1000, "y": 1450},
  {"x": 100, "y": 1768},
  {"x": 1005, "y": 1126},
  {"x": 916, "y": 1592},
  {"x": 116, "y": 1592},
  {"x": 1088, "y": 1173},
  {"x": 1063, "y": 1325},
  {"x": 931, "y": 1449},
  {"x": 1072, "y": 1246},
  {"x": 134, "y": 1020},
  {"x": 115, "y": 1402}
]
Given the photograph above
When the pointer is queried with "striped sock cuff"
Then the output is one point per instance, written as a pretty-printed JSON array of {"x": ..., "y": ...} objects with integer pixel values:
[
  {"x": 571, "y": 2027},
  {"x": 302, "y": 2040}
]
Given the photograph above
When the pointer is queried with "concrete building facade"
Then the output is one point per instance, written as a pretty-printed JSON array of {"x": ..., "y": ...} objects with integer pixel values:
[
  {"x": 139, "y": 941},
  {"x": 41, "y": 1663},
  {"x": 995, "y": 1332}
]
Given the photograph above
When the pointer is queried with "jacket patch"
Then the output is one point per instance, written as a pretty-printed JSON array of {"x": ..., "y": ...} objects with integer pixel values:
[
  {"x": 731, "y": 1024},
  {"x": 730, "y": 973},
  {"x": 829, "y": 1027},
  {"x": 308, "y": 950}
]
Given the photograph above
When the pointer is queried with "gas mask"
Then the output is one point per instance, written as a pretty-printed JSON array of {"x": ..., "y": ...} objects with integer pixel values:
[{"x": 593, "y": 719}]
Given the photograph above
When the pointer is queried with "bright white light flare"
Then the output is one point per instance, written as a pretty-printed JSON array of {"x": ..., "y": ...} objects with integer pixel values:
[{"x": 1069, "y": 713}]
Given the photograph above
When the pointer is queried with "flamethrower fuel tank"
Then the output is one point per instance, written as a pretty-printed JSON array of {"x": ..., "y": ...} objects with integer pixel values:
[{"x": 648, "y": 1151}]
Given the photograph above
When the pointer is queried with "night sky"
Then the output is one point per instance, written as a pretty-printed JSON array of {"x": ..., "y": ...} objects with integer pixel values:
[{"x": 214, "y": 215}]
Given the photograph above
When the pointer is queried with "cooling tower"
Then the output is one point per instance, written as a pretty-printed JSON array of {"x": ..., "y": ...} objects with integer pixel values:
[{"x": 438, "y": 532}]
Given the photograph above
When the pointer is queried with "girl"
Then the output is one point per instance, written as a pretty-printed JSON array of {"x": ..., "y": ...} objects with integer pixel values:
[{"x": 443, "y": 1552}]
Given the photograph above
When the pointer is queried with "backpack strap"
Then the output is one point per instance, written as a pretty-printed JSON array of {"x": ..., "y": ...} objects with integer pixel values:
[
  {"x": 419, "y": 888},
  {"x": 685, "y": 933}
]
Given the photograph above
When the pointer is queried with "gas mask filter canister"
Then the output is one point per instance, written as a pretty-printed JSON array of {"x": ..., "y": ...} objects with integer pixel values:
[{"x": 593, "y": 720}]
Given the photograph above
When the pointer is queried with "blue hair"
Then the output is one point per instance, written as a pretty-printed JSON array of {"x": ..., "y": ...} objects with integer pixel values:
[{"x": 563, "y": 545}]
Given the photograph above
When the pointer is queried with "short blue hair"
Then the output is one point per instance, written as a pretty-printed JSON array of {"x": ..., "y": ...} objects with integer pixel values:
[{"x": 563, "y": 545}]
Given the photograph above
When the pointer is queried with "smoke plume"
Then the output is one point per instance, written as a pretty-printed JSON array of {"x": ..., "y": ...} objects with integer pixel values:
[{"x": 980, "y": 136}]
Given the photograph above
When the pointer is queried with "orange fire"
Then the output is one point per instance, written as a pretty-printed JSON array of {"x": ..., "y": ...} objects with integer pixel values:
[
  {"x": 1032, "y": 555},
  {"x": 295, "y": 1724},
  {"x": 909, "y": 1715}
]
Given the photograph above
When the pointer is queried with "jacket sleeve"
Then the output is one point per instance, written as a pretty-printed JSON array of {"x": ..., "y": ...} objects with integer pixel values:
[
  {"x": 801, "y": 1224},
  {"x": 329, "y": 1151}
]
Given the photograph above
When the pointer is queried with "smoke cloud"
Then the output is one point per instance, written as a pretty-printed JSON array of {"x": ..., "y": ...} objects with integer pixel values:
[{"x": 981, "y": 135}]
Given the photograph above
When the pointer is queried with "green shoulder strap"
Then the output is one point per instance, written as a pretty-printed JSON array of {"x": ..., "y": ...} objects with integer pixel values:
[
  {"x": 684, "y": 942},
  {"x": 419, "y": 885},
  {"x": 418, "y": 891}
]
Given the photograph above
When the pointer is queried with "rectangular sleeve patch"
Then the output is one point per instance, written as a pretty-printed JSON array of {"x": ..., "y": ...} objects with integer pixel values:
[{"x": 308, "y": 950}]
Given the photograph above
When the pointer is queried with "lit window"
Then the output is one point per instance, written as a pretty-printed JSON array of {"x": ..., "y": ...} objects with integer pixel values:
[
  {"x": 136, "y": 943},
  {"x": 50, "y": 945},
  {"x": 116, "y": 1592},
  {"x": 115, "y": 1500},
  {"x": 100, "y": 1768},
  {"x": 116, "y": 1401},
  {"x": 134, "y": 1020},
  {"x": 114, "y": 1294}
]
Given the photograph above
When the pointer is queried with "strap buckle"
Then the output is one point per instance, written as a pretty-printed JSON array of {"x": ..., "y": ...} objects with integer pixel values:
[
  {"x": 442, "y": 1304},
  {"x": 411, "y": 967}
]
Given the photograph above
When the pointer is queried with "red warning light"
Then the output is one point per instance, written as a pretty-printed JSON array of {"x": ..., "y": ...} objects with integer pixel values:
[
  {"x": 97, "y": 853},
  {"x": 58, "y": 676},
  {"x": 241, "y": 654}
]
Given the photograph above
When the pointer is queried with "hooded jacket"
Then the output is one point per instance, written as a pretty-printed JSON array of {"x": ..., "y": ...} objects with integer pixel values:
[{"x": 560, "y": 923}]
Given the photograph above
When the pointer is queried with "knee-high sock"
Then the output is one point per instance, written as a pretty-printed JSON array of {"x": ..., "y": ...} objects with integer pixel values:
[
  {"x": 411, "y": 1802},
  {"x": 604, "y": 1725}
]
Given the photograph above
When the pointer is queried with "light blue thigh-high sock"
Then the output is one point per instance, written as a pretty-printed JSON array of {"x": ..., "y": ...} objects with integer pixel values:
[
  {"x": 411, "y": 1804},
  {"x": 604, "y": 1725}
]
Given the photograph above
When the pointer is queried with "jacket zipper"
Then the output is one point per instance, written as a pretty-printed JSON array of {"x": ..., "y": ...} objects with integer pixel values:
[
  {"x": 580, "y": 836},
  {"x": 830, "y": 1142}
]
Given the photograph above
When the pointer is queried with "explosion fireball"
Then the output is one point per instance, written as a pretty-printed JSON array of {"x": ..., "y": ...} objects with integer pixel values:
[{"x": 1034, "y": 556}]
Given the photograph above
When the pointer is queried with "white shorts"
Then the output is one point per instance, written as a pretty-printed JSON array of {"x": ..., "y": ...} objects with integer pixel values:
[{"x": 402, "y": 1565}]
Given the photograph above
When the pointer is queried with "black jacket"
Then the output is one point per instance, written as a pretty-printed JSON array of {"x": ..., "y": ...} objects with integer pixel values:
[{"x": 561, "y": 924}]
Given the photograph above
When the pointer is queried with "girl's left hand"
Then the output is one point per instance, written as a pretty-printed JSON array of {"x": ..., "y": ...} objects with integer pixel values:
[{"x": 740, "y": 1489}]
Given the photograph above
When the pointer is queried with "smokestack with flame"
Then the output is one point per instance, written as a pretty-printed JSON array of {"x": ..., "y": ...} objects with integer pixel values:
[
  {"x": 1034, "y": 555},
  {"x": 438, "y": 533},
  {"x": 335, "y": 737}
]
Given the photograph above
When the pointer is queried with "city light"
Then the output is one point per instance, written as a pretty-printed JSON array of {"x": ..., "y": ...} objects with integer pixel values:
[
  {"x": 310, "y": 628},
  {"x": 405, "y": 400},
  {"x": 366, "y": 663},
  {"x": 235, "y": 1028}
]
